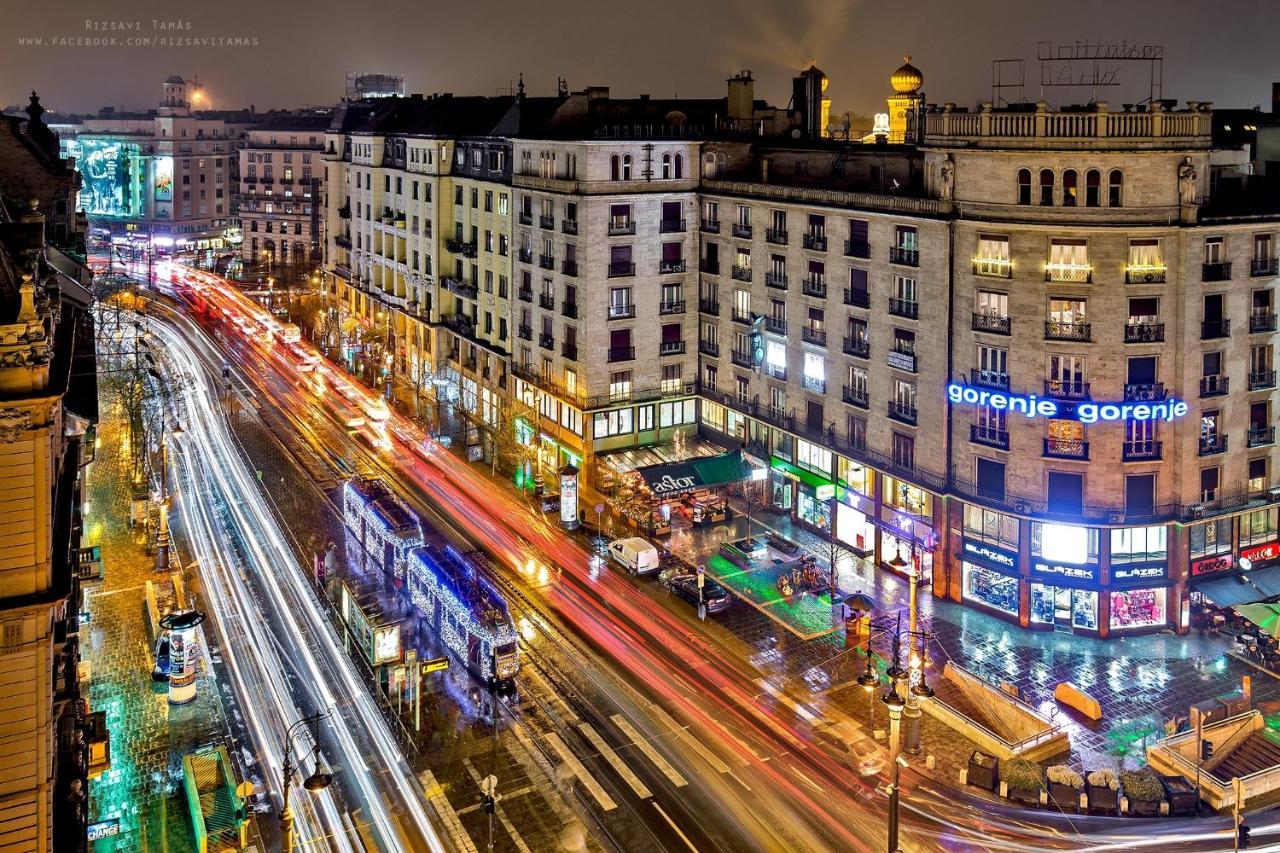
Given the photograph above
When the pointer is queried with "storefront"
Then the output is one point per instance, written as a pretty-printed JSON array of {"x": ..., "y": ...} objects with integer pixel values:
[
  {"x": 989, "y": 578},
  {"x": 854, "y": 528},
  {"x": 809, "y": 495}
]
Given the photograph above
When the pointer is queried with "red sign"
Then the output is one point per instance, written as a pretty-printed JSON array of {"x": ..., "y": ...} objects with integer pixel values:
[
  {"x": 1261, "y": 553},
  {"x": 1211, "y": 564}
]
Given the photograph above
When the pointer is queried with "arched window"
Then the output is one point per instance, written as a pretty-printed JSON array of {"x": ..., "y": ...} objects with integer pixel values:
[
  {"x": 614, "y": 174},
  {"x": 1024, "y": 186},
  {"x": 1092, "y": 187},
  {"x": 666, "y": 167},
  {"x": 679, "y": 166},
  {"x": 1046, "y": 187},
  {"x": 1069, "y": 188},
  {"x": 626, "y": 167},
  {"x": 1115, "y": 188}
]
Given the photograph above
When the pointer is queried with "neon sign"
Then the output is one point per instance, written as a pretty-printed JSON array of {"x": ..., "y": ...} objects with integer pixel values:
[{"x": 1033, "y": 406}]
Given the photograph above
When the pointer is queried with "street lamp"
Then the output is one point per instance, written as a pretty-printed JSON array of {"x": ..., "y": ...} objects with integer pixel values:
[
  {"x": 912, "y": 713},
  {"x": 314, "y": 783},
  {"x": 162, "y": 536}
]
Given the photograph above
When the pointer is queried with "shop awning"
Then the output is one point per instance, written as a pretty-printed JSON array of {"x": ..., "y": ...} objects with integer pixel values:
[
  {"x": 807, "y": 477},
  {"x": 1265, "y": 616},
  {"x": 1242, "y": 589},
  {"x": 673, "y": 478}
]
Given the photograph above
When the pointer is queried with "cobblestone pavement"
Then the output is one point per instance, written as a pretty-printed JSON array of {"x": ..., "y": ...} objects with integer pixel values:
[{"x": 143, "y": 787}]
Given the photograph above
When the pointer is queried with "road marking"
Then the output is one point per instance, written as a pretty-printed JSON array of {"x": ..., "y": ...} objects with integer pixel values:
[
  {"x": 649, "y": 752},
  {"x": 801, "y": 711},
  {"x": 555, "y": 697},
  {"x": 671, "y": 823},
  {"x": 445, "y": 809},
  {"x": 695, "y": 744},
  {"x": 589, "y": 782},
  {"x": 812, "y": 784},
  {"x": 617, "y": 763}
]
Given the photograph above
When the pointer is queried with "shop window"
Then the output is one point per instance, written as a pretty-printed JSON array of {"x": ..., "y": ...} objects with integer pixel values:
[
  {"x": 617, "y": 422},
  {"x": 1139, "y": 545},
  {"x": 989, "y": 588},
  {"x": 1084, "y": 609},
  {"x": 1210, "y": 538},
  {"x": 856, "y": 476},
  {"x": 1258, "y": 527},
  {"x": 1042, "y": 604},
  {"x": 1138, "y": 608},
  {"x": 813, "y": 457},
  {"x": 991, "y": 526},
  {"x": 713, "y": 415},
  {"x": 676, "y": 414},
  {"x": 1063, "y": 606},
  {"x": 813, "y": 511},
  {"x": 907, "y": 497},
  {"x": 854, "y": 529},
  {"x": 1066, "y": 543}
]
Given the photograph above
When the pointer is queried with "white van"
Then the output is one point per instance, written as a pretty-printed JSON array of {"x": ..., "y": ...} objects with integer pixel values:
[{"x": 635, "y": 555}]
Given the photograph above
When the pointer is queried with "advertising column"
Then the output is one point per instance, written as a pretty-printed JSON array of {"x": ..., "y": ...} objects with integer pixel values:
[
  {"x": 569, "y": 497},
  {"x": 184, "y": 654}
]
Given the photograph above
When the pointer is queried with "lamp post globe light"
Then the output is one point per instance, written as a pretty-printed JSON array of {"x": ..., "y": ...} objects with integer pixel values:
[
  {"x": 912, "y": 713},
  {"x": 162, "y": 534},
  {"x": 316, "y": 782}
]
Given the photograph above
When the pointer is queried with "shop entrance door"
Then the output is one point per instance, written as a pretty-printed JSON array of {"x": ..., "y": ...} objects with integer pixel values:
[{"x": 1062, "y": 609}]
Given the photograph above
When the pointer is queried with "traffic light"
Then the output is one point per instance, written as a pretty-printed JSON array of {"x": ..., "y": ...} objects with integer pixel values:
[
  {"x": 490, "y": 803},
  {"x": 1242, "y": 836},
  {"x": 1206, "y": 750}
]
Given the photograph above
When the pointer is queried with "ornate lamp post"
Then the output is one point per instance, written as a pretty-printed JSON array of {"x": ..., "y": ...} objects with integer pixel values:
[{"x": 314, "y": 783}]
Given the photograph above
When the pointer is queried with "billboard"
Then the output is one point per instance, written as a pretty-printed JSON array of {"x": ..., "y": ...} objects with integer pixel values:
[
  {"x": 111, "y": 170},
  {"x": 162, "y": 185}
]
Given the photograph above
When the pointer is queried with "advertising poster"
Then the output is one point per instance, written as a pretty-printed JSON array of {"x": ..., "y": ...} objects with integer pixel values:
[{"x": 108, "y": 168}]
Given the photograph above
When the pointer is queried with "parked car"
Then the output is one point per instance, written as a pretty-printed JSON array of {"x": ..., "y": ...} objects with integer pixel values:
[
  {"x": 851, "y": 747},
  {"x": 714, "y": 596},
  {"x": 634, "y": 554}
]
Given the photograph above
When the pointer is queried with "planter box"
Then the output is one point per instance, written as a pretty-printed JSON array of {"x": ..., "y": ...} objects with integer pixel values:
[
  {"x": 1182, "y": 795},
  {"x": 1145, "y": 808},
  {"x": 1064, "y": 797},
  {"x": 1027, "y": 798},
  {"x": 984, "y": 777},
  {"x": 1102, "y": 800}
]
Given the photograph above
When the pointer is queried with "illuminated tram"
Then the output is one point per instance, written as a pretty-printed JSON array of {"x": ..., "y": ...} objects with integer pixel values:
[{"x": 386, "y": 527}]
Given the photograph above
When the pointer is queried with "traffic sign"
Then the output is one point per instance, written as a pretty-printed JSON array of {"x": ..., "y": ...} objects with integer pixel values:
[
  {"x": 435, "y": 665},
  {"x": 599, "y": 508}
]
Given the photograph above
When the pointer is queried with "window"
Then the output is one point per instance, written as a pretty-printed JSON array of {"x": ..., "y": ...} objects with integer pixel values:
[
  {"x": 1068, "y": 311},
  {"x": 1258, "y": 479},
  {"x": 616, "y": 422},
  {"x": 666, "y": 167},
  {"x": 620, "y": 384},
  {"x": 1115, "y": 188},
  {"x": 1139, "y": 545},
  {"x": 1210, "y": 538},
  {"x": 1213, "y": 250},
  {"x": 1046, "y": 187},
  {"x": 813, "y": 457},
  {"x": 904, "y": 450},
  {"x": 1092, "y": 188},
  {"x": 1024, "y": 186},
  {"x": 677, "y": 413},
  {"x": 992, "y": 257},
  {"x": 1066, "y": 543},
  {"x": 1258, "y": 527},
  {"x": 626, "y": 167},
  {"x": 992, "y": 304},
  {"x": 1209, "y": 486},
  {"x": 991, "y": 526},
  {"x": 1263, "y": 247},
  {"x": 1068, "y": 261},
  {"x": 1069, "y": 188}
]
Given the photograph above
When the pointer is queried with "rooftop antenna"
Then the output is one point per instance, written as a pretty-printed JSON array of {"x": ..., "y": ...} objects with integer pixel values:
[{"x": 520, "y": 86}]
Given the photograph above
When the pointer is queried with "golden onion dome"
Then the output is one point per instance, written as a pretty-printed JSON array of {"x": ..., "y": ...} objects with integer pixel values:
[{"x": 907, "y": 79}]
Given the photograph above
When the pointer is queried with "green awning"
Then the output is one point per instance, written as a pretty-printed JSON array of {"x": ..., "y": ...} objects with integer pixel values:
[
  {"x": 809, "y": 478},
  {"x": 1265, "y": 616},
  {"x": 673, "y": 478}
]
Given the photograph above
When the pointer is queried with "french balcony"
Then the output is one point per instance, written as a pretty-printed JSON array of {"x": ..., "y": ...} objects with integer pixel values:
[
  {"x": 671, "y": 226},
  {"x": 991, "y": 323},
  {"x": 1071, "y": 273},
  {"x": 1144, "y": 273},
  {"x": 855, "y": 396},
  {"x": 569, "y": 309},
  {"x": 709, "y": 226},
  {"x": 908, "y": 308},
  {"x": 1216, "y": 271},
  {"x": 1058, "y": 331},
  {"x": 1211, "y": 445},
  {"x": 526, "y": 218},
  {"x": 857, "y": 298},
  {"x": 1143, "y": 333},
  {"x": 621, "y": 269},
  {"x": 815, "y": 384},
  {"x": 569, "y": 351},
  {"x": 547, "y": 223},
  {"x": 547, "y": 262},
  {"x": 1264, "y": 266},
  {"x": 1066, "y": 389},
  {"x": 709, "y": 306},
  {"x": 740, "y": 273},
  {"x": 815, "y": 241},
  {"x": 776, "y": 371},
  {"x": 671, "y": 348},
  {"x": 814, "y": 286},
  {"x": 776, "y": 325},
  {"x": 708, "y": 268},
  {"x": 711, "y": 348},
  {"x": 1261, "y": 322},
  {"x": 1144, "y": 392},
  {"x": 776, "y": 235},
  {"x": 622, "y": 354},
  {"x": 902, "y": 360},
  {"x": 622, "y": 312},
  {"x": 547, "y": 301},
  {"x": 569, "y": 267},
  {"x": 1142, "y": 450},
  {"x": 860, "y": 347},
  {"x": 673, "y": 307},
  {"x": 989, "y": 436},
  {"x": 547, "y": 342},
  {"x": 776, "y": 280},
  {"x": 742, "y": 359},
  {"x": 743, "y": 317},
  {"x": 1261, "y": 436},
  {"x": 903, "y": 412},
  {"x": 742, "y": 231},
  {"x": 569, "y": 226},
  {"x": 525, "y": 255},
  {"x": 904, "y": 256},
  {"x": 1216, "y": 385},
  {"x": 814, "y": 336},
  {"x": 1066, "y": 448},
  {"x": 989, "y": 379},
  {"x": 621, "y": 227},
  {"x": 671, "y": 267},
  {"x": 525, "y": 333},
  {"x": 1210, "y": 329},
  {"x": 857, "y": 249},
  {"x": 1262, "y": 380},
  {"x": 993, "y": 267}
]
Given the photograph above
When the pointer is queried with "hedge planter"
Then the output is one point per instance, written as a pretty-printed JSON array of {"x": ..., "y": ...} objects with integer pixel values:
[
  {"x": 1144, "y": 791},
  {"x": 1024, "y": 780},
  {"x": 1064, "y": 797},
  {"x": 984, "y": 771},
  {"x": 1102, "y": 799},
  {"x": 1182, "y": 795}
]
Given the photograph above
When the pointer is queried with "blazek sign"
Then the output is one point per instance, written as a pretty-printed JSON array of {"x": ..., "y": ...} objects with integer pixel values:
[
  {"x": 672, "y": 484},
  {"x": 1033, "y": 406}
]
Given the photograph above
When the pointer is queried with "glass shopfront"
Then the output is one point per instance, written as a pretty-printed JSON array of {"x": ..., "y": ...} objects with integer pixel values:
[
  {"x": 1064, "y": 608},
  {"x": 891, "y": 546},
  {"x": 812, "y": 511},
  {"x": 1138, "y": 608},
  {"x": 989, "y": 588},
  {"x": 853, "y": 529}
]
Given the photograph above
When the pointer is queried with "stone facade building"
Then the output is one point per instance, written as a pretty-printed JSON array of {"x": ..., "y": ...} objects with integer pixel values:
[{"x": 281, "y": 221}]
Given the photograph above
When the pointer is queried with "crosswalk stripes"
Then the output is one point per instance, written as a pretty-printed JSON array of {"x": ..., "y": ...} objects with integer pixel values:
[
  {"x": 615, "y": 762},
  {"x": 649, "y": 752},
  {"x": 435, "y": 794},
  {"x": 801, "y": 711},
  {"x": 584, "y": 776}
]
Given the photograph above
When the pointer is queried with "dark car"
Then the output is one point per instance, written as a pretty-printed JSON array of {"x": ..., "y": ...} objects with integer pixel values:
[{"x": 714, "y": 596}]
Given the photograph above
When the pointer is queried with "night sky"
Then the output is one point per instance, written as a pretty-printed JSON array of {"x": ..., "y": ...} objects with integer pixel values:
[{"x": 1217, "y": 51}]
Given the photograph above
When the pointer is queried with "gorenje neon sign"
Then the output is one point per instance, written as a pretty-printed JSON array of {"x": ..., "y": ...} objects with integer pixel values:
[{"x": 1033, "y": 406}]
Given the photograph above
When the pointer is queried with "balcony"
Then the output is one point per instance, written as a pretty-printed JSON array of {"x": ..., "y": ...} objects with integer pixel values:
[
  {"x": 1210, "y": 329},
  {"x": 524, "y": 333},
  {"x": 525, "y": 255},
  {"x": 1261, "y": 436},
  {"x": 345, "y": 211},
  {"x": 622, "y": 354},
  {"x": 709, "y": 226},
  {"x": 1066, "y": 448},
  {"x": 1213, "y": 444},
  {"x": 1214, "y": 386},
  {"x": 904, "y": 412},
  {"x": 710, "y": 348},
  {"x": 902, "y": 360},
  {"x": 526, "y": 218},
  {"x": 1264, "y": 266},
  {"x": 1144, "y": 273},
  {"x": 673, "y": 307},
  {"x": 743, "y": 317},
  {"x": 776, "y": 325},
  {"x": 1262, "y": 321},
  {"x": 1216, "y": 271},
  {"x": 993, "y": 267},
  {"x": 569, "y": 267},
  {"x": 813, "y": 286},
  {"x": 857, "y": 249},
  {"x": 460, "y": 323},
  {"x": 547, "y": 300},
  {"x": 1056, "y": 331},
  {"x": 524, "y": 294},
  {"x": 989, "y": 379},
  {"x": 708, "y": 268},
  {"x": 908, "y": 308},
  {"x": 743, "y": 231},
  {"x": 989, "y": 436},
  {"x": 815, "y": 384},
  {"x": 671, "y": 267},
  {"x": 621, "y": 269},
  {"x": 622, "y": 312},
  {"x": 1071, "y": 273},
  {"x": 671, "y": 226},
  {"x": 547, "y": 223},
  {"x": 1261, "y": 380},
  {"x": 991, "y": 323},
  {"x": 855, "y": 396},
  {"x": 547, "y": 342},
  {"x": 776, "y": 280},
  {"x": 462, "y": 288},
  {"x": 857, "y": 298},
  {"x": 569, "y": 226},
  {"x": 621, "y": 227},
  {"x": 813, "y": 336},
  {"x": 342, "y": 241},
  {"x": 742, "y": 359},
  {"x": 709, "y": 306},
  {"x": 1142, "y": 450},
  {"x": 671, "y": 348},
  {"x": 904, "y": 256},
  {"x": 569, "y": 309},
  {"x": 1066, "y": 389},
  {"x": 1144, "y": 392},
  {"x": 740, "y": 273},
  {"x": 547, "y": 262},
  {"x": 776, "y": 371},
  {"x": 814, "y": 240},
  {"x": 776, "y": 235},
  {"x": 860, "y": 347},
  {"x": 569, "y": 351},
  {"x": 1143, "y": 333}
]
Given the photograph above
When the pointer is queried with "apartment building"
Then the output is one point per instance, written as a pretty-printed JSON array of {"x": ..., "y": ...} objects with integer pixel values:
[{"x": 279, "y": 191}]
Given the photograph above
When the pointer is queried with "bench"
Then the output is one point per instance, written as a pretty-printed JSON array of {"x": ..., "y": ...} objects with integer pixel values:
[{"x": 1073, "y": 697}]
